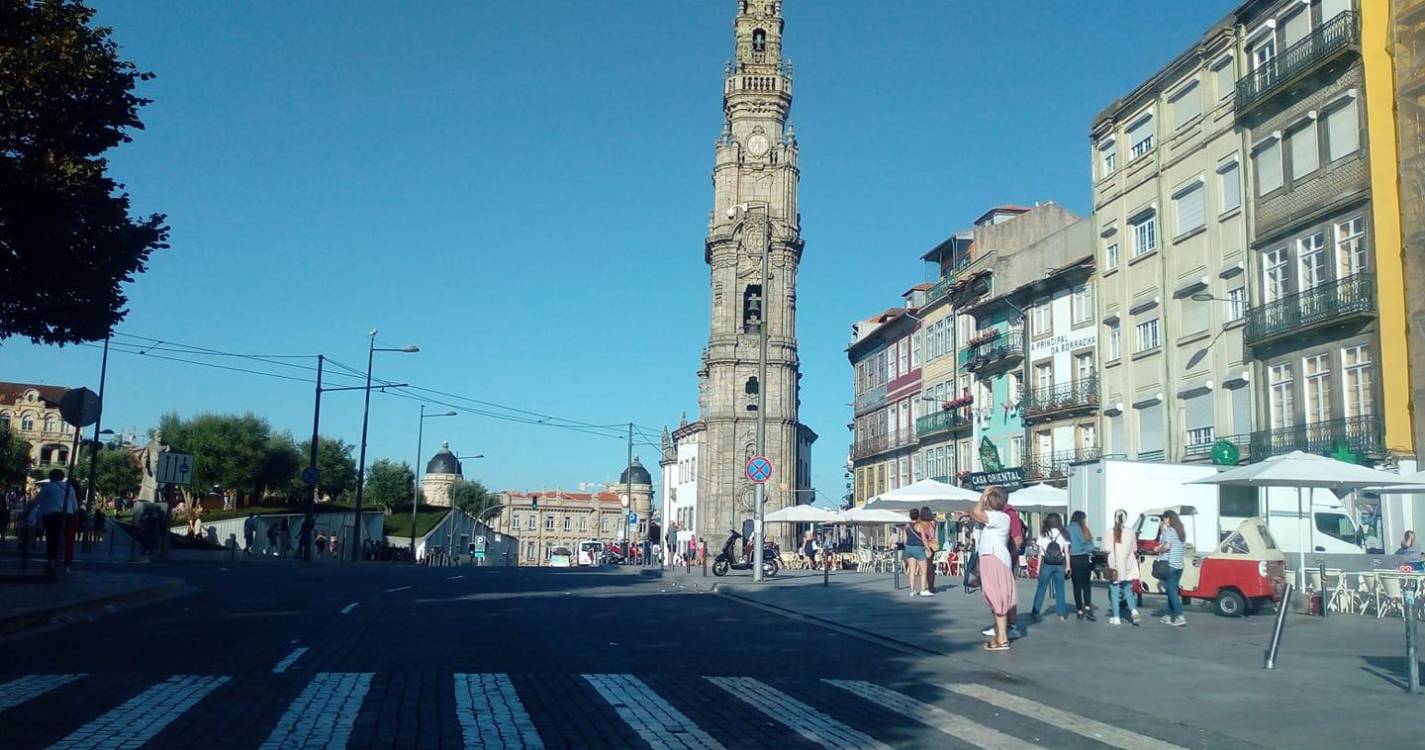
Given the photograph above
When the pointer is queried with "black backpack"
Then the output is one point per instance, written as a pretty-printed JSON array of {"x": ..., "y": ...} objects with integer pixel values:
[{"x": 1053, "y": 552}]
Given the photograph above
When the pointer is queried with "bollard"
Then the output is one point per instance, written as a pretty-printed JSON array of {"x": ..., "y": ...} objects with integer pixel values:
[
  {"x": 687, "y": 565},
  {"x": 705, "y": 565},
  {"x": 896, "y": 574},
  {"x": 1325, "y": 594},
  {"x": 1277, "y": 631},
  {"x": 1412, "y": 658},
  {"x": 825, "y": 569}
]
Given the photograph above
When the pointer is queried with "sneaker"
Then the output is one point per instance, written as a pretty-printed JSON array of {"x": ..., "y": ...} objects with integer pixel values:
[
  {"x": 1136, "y": 620},
  {"x": 1114, "y": 621},
  {"x": 927, "y": 592},
  {"x": 989, "y": 631},
  {"x": 1166, "y": 619},
  {"x": 1013, "y": 632},
  {"x": 1179, "y": 621},
  {"x": 915, "y": 593}
]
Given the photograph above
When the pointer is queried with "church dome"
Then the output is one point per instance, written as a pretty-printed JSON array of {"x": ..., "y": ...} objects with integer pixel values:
[
  {"x": 444, "y": 462},
  {"x": 640, "y": 474}
]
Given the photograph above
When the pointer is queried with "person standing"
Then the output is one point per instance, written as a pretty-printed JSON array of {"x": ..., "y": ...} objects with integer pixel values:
[
  {"x": 304, "y": 538},
  {"x": 1081, "y": 563},
  {"x": 55, "y": 501},
  {"x": 1122, "y": 569},
  {"x": 997, "y": 578},
  {"x": 1171, "y": 547},
  {"x": 249, "y": 533},
  {"x": 1053, "y": 547},
  {"x": 284, "y": 538},
  {"x": 1016, "y": 547},
  {"x": 99, "y": 523},
  {"x": 914, "y": 553},
  {"x": 930, "y": 531}
]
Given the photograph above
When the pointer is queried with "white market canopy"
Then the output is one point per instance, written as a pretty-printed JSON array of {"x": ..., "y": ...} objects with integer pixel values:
[
  {"x": 1039, "y": 498},
  {"x": 938, "y": 496},
  {"x": 1415, "y": 484},
  {"x": 801, "y": 514},
  {"x": 870, "y": 516},
  {"x": 1305, "y": 471}
]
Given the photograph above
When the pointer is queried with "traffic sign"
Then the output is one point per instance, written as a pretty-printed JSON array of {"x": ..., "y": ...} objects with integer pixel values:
[
  {"x": 175, "y": 468},
  {"x": 759, "y": 469},
  {"x": 310, "y": 475},
  {"x": 79, "y": 407},
  {"x": 632, "y": 518}
]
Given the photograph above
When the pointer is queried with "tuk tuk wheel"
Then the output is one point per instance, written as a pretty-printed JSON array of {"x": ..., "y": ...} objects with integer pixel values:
[{"x": 1229, "y": 603}]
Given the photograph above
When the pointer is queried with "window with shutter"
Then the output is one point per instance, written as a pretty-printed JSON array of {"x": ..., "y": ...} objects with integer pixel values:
[
  {"x": 1229, "y": 180},
  {"x": 1188, "y": 205},
  {"x": 1187, "y": 104},
  {"x": 1305, "y": 156},
  {"x": 1296, "y": 27},
  {"x": 1342, "y": 130},
  {"x": 1268, "y": 166},
  {"x": 1140, "y": 136}
]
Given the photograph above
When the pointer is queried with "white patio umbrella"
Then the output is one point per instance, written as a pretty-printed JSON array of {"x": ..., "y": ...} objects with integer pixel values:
[
  {"x": 1304, "y": 471},
  {"x": 1415, "y": 483},
  {"x": 801, "y": 514},
  {"x": 938, "y": 496},
  {"x": 1040, "y": 498}
]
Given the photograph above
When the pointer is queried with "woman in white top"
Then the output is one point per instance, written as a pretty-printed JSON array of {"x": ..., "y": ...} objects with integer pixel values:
[
  {"x": 1123, "y": 568},
  {"x": 1053, "y": 546},
  {"x": 996, "y": 573}
]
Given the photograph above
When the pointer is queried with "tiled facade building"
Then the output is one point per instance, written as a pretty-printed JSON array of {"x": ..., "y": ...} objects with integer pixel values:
[
  {"x": 1408, "y": 48},
  {"x": 885, "y": 359}
]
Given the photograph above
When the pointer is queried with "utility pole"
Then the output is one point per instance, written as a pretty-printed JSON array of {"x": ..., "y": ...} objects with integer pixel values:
[
  {"x": 311, "y": 502},
  {"x": 761, "y": 487},
  {"x": 628, "y": 493},
  {"x": 94, "y": 449},
  {"x": 361, "y": 465}
]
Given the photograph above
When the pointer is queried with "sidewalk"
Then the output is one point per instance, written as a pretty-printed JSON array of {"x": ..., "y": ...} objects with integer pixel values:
[
  {"x": 27, "y": 600},
  {"x": 1338, "y": 680}
]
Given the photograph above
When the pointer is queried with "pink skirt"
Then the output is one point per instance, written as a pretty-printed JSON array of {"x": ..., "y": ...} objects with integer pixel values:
[{"x": 997, "y": 581}]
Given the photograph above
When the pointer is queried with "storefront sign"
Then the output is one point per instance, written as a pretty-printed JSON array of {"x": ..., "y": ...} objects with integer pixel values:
[
  {"x": 1062, "y": 343},
  {"x": 1010, "y": 479}
]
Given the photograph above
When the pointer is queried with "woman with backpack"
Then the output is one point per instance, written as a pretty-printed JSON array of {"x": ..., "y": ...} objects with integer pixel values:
[
  {"x": 1122, "y": 568},
  {"x": 1053, "y": 546},
  {"x": 915, "y": 557},
  {"x": 1081, "y": 563}
]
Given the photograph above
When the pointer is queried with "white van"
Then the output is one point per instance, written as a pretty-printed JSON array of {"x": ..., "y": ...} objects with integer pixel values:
[{"x": 591, "y": 553}]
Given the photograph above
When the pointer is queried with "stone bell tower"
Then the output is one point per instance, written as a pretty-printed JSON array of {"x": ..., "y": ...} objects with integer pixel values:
[{"x": 754, "y": 203}]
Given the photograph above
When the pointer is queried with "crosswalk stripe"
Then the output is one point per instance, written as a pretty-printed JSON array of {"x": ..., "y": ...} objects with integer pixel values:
[
  {"x": 801, "y": 718},
  {"x": 656, "y": 720},
  {"x": 956, "y": 726},
  {"x": 491, "y": 714},
  {"x": 1080, "y": 725},
  {"x": 143, "y": 716},
  {"x": 323, "y": 715},
  {"x": 17, "y": 691}
]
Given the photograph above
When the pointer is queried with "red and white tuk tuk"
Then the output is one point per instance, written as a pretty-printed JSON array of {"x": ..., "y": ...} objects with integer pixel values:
[{"x": 1244, "y": 572}]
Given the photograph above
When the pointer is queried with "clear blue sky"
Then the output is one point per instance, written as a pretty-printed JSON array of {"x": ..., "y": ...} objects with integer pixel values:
[{"x": 522, "y": 189}]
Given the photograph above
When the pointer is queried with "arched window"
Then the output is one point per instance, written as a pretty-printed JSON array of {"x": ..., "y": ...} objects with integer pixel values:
[
  {"x": 752, "y": 309},
  {"x": 5, "y": 419},
  {"x": 27, "y": 422},
  {"x": 50, "y": 424},
  {"x": 759, "y": 41}
]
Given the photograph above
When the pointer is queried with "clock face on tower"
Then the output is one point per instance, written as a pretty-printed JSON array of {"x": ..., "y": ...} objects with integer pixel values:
[{"x": 758, "y": 145}]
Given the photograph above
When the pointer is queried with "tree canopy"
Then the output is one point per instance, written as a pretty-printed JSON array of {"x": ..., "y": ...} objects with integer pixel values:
[
  {"x": 66, "y": 237},
  {"x": 14, "y": 457},
  {"x": 335, "y": 466},
  {"x": 234, "y": 453},
  {"x": 388, "y": 483},
  {"x": 117, "y": 472},
  {"x": 472, "y": 497}
]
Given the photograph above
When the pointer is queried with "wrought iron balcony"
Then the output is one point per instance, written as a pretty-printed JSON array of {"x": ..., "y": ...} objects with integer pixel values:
[
  {"x": 1199, "y": 446},
  {"x": 1000, "y": 350},
  {"x": 943, "y": 420},
  {"x": 1325, "y": 303},
  {"x": 1362, "y": 436},
  {"x": 1048, "y": 467},
  {"x": 1082, "y": 394},
  {"x": 880, "y": 444},
  {"x": 1322, "y": 44}
]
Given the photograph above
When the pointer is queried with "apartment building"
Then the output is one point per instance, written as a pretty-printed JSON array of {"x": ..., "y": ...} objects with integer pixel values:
[
  {"x": 885, "y": 355},
  {"x": 944, "y": 423},
  {"x": 1408, "y": 49},
  {"x": 1170, "y": 225},
  {"x": 1314, "y": 105}
]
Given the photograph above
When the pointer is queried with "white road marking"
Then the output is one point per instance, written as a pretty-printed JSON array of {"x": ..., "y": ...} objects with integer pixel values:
[
  {"x": 656, "y": 720},
  {"x": 454, "y": 578},
  {"x": 801, "y": 718},
  {"x": 934, "y": 716},
  {"x": 140, "y": 718},
  {"x": 1082, "y": 726},
  {"x": 15, "y": 692},
  {"x": 347, "y": 609},
  {"x": 323, "y": 715},
  {"x": 289, "y": 659},
  {"x": 398, "y": 588},
  {"x": 491, "y": 714}
]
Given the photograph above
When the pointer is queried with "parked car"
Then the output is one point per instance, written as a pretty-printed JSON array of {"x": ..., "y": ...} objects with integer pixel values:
[
  {"x": 1239, "y": 576},
  {"x": 561, "y": 557}
]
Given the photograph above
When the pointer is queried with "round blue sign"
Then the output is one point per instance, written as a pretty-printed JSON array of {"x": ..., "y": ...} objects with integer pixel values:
[{"x": 759, "y": 469}]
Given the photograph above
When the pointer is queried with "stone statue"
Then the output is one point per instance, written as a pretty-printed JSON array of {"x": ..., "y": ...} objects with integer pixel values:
[{"x": 148, "y": 463}]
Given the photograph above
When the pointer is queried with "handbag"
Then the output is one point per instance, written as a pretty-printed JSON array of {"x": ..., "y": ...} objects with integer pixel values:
[
  {"x": 1161, "y": 569},
  {"x": 1111, "y": 575},
  {"x": 972, "y": 573}
]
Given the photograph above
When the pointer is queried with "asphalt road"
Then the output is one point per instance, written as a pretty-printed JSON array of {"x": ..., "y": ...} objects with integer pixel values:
[{"x": 382, "y": 656}]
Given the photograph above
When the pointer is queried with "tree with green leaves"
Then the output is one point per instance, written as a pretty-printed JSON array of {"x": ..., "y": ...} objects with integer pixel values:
[
  {"x": 281, "y": 466},
  {"x": 14, "y": 458},
  {"x": 336, "y": 467},
  {"x": 237, "y": 454},
  {"x": 472, "y": 497},
  {"x": 388, "y": 483},
  {"x": 65, "y": 98},
  {"x": 117, "y": 471}
]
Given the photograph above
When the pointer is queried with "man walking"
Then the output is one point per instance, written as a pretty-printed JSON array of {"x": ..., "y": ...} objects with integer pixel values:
[
  {"x": 56, "y": 499},
  {"x": 249, "y": 533}
]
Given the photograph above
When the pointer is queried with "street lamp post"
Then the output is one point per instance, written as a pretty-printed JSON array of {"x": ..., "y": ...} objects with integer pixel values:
[
  {"x": 450, "y": 527},
  {"x": 759, "y": 489},
  {"x": 94, "y": 450},
  {"x": 371, "y": 350},
  {"x": 416, "y": 473}
]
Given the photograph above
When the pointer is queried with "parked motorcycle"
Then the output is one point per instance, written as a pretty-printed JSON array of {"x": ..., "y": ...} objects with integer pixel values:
[{"x": 726, "y": 559}]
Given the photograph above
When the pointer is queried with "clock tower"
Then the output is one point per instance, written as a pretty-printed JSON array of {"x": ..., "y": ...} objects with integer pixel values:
[{"x": 755, "y": 178}]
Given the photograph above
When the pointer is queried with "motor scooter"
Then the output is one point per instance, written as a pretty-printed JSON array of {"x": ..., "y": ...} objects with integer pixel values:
[{"x": 726, "y": 559}]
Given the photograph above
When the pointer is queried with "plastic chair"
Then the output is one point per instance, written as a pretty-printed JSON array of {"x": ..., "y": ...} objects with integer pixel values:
[
  {"x": 1392, "y": 596},
  {"x": 1366, "y": 592},
  {"x": 1343, "y": 598}
]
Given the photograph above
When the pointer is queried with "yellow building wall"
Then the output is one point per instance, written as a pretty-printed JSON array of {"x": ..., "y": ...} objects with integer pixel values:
[{"x": 1385, "y": 199}]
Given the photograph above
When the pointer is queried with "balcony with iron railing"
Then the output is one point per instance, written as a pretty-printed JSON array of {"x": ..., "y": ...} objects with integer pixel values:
[
  {"x": 1051, "y": 467},
  {"x": 1362, "y": 436},
  {"x": 952, "y": 275},
  {"x": 1200, "y": 443},
  {"x": 943, "y": 420},
  {"x": 881, "y": 443},
  {"x": 1322, "y": 44},
  {"x": 1081, "y": 394},
  {"x": 1002, "y": 349},
  {"x": 1331, "y": 302}
]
